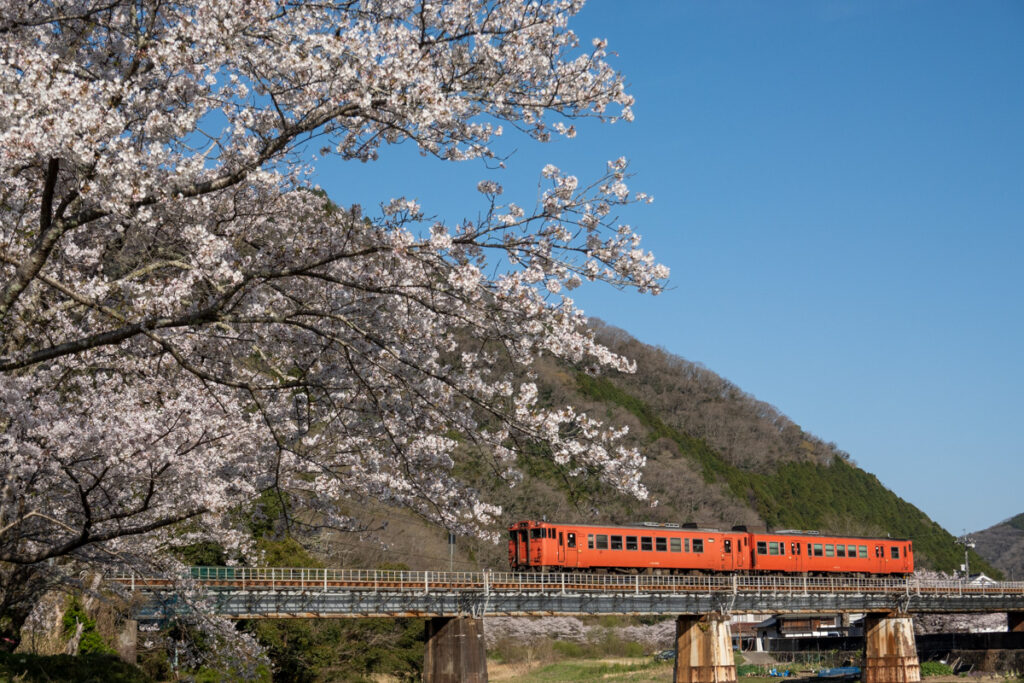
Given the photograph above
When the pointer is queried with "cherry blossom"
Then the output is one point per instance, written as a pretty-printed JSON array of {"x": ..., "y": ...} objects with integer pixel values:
[{"x": 186, "y": 321}]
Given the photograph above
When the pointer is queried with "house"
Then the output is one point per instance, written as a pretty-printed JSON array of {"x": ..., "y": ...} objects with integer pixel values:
[{"x": 790, "y": 627}]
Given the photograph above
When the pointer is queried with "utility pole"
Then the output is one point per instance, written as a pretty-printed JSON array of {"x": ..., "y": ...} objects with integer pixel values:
[{"x": 967, "y": 542}]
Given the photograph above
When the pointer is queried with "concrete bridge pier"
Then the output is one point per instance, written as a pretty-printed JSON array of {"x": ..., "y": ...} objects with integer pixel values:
[
  {"x": 890, "y": 655},
  {"x": 704, "y": 649},
  {"x": 126, "y": 641},
  {"x": 455, "y": 651},
  {"x": 1015, "y": 622}
]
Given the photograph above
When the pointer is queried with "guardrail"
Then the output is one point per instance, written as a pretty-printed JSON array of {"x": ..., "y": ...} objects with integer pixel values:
[{"x": 306, "y": 578}]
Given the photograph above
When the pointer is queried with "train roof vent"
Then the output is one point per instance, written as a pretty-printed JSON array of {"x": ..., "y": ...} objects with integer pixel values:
[
  {"x": 667, "y": 525},
  {"x": 690, "y": 525},
  {"x": 740, "y": 527}
]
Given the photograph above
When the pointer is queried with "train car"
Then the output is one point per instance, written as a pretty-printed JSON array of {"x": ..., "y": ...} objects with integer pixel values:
[
  {"x": 642, "y": 548},
  {"x": 812, "y": 553},
  {"x": 670, "y": 549}
]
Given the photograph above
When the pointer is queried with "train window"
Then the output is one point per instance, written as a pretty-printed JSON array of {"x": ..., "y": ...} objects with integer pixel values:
[
  {"x": 512, "y": 536},
  {"x": 631, "y": 543},
  {"x": 616, "y": 542},
  {"x": 602, "y": 542},
  {"x": 661, "y": 544},
  {"x": 895, "y": 552},
  {"x": 645, "y": 543},
  {"x": 590, "y": 541},
  {"x": 522, "y": 536},
  {"x": 878, "y": 551},
  {"x": 728, "y": 546},
  {"x": 862, "y": 552},
  {"x": 830, "y": 550},
  {"x": 551, "y": 533},
  {"x": 535, "y": 533},
  {"x": 762, "y": 548},
  {"x": 698, "y": 545},
  {"x": 674, "y": 545},
  {"x": 809, "y": 553},
  {"x": 686, "y": 545},
  {"x": 817, "y": 550},
  {"x": 561, "y": 538},
  {"x": 572, "y": 540},
  {"x": 840, "y": 551},
  {"x": 851, "y": 551},
  {"x": 773, "y": 548},
  {"x": 796, "y": 548}
]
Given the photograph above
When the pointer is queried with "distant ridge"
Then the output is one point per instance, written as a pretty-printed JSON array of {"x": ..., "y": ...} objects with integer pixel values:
[{"x": 1003, "y": 546}]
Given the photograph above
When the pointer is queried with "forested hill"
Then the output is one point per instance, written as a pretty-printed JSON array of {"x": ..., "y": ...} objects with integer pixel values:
[
  {"x": 1003, "y": 546},
  {"x": 717, "y": 457}
]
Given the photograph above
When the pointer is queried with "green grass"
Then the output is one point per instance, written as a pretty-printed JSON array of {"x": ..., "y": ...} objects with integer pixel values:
[
  {"x": 96, "y": 668},
  {"x": 639, "y": 671},
  {"x": 751, "y": 670}
]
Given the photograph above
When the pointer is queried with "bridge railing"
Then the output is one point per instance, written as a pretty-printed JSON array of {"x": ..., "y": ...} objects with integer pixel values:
[{"x": 310, "y": 578}]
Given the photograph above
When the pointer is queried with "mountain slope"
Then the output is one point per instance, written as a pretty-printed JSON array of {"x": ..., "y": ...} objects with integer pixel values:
[{"x": 718, "y": 457}]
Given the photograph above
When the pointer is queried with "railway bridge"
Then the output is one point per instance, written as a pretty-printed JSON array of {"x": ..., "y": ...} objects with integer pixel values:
[{"x": 456, "y": 604}]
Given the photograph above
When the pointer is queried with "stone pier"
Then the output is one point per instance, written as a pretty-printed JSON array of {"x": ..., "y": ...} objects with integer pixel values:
[
  {"x": 455, "y": 651},
  {"x": 890, "y": 655},
  {"x": 1015, "y": 622},
  {"x": 704, "y": 649}
]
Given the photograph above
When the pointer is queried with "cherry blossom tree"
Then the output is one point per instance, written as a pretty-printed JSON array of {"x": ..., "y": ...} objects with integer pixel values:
[{"x": 186, "y": 321}]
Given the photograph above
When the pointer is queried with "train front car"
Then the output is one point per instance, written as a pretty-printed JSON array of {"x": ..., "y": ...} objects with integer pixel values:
[
  {"x": 653, "y": 548},
  {"x": 536, "y": 546},
  {"x": 643, "y": 548},
  {"x": 809, "y": 552}
]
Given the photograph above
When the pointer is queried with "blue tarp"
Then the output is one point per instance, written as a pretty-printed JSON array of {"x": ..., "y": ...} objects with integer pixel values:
[{"x": 840, "y": 672}]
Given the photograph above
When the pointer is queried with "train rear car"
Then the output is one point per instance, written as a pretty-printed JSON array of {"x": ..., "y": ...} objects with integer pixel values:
[{"x": 811, "y": 553}]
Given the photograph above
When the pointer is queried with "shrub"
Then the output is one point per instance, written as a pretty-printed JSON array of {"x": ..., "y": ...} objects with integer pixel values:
[
  {"x": 569, "y": 649},
  {"x": 935, "y": 669},
  {"x": 92, "y": 642}
]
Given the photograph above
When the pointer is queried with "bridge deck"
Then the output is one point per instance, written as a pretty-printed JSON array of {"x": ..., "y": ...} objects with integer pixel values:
[{"x": 264, "y": 592}]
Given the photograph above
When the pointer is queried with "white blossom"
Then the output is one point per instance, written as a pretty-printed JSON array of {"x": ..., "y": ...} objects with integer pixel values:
[{"x": 185, "y": 320}]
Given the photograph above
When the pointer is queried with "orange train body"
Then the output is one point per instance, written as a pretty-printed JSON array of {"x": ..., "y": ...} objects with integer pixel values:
[{"x": 671, "y": 549}]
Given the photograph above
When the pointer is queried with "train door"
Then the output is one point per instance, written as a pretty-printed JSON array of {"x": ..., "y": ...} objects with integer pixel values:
[
  {"x": 742, "y": 553},
  {"x": 727, "y": 563},
  {"x": 561, "y": 547},
  {"x": 572, "y": 551}
]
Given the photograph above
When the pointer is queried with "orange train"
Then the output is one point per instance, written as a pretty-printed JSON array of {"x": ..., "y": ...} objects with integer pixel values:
[{"x": 672, "y": 549}]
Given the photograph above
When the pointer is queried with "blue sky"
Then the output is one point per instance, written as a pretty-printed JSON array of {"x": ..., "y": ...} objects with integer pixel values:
[{"x": 839, "y": 192}]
